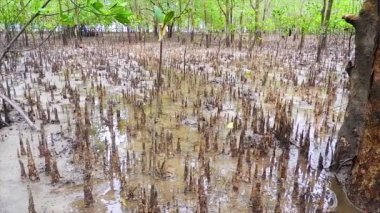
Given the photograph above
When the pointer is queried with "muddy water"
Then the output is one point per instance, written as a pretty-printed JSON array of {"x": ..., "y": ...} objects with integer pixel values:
[
  {"x": 13, "y": 190},
  {"x": 211, "y": 86},
  {"x": 343, "y": 203}
]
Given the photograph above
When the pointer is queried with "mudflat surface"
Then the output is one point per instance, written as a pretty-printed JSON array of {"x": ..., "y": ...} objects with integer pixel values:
[{"x": 242, "y": 118}]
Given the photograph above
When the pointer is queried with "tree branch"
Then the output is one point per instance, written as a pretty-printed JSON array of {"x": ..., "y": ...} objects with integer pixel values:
[
  {"x": 182, "y": 12},
  {"x": 18, "y": 109},
  {"x": 251, "y": 3},
  {"x": 220, "y": 6},
  {"x": 54, "y": 14},
  {"x": 158, "y": 4},
  {"x": 351, "y": 19},
  {"x": 257, "y": 2},
  {"x": 8, "y": 47}
]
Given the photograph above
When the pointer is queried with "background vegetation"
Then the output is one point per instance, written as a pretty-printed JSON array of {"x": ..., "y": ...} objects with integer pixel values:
[{"x": 190, "y": 15}]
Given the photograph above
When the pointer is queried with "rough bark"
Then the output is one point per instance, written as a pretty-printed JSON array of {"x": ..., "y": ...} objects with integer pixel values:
[
  {"x": 364, "y": 183},
  {"x": 359, "y": 136},
  {"x": 353, "y": 125}
]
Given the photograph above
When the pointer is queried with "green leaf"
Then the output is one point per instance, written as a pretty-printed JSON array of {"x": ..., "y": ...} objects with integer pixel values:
[
  {"x": 248, "y": 74},
  {"x": 97, "y": 5},
  {"x": 44, "y": 10},
  {"x": 121, "y": 14},
  {"x": 158, "y": 14},
  {"x": 67, "y": 20},
  {"x": 123, "y": 18},
  {"x": 114, "y": 5},
  {"x": 116, "y": 9},
  {"x": 168, "y": 17},
  {"x": 124, "y": 4}
]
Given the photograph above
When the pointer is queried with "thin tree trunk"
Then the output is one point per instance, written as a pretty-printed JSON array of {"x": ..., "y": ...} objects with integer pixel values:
[
  {"x": 302, "y": 40},
  {"x": 155, "y": 29},
  {"x": 129, "y": 35},
  {"x": 323, "y": 11},
  {"x": 64, "y": 36},
  {"x": 228, "y": 31},
  {"x": 160, "y": 67},
  {"x": 256, "y": 9},
  {"x": 170, "y": 30},
  {"x": 326, "y": 23},
  {"x": 326, "y": 14},
  {"x": 241, "y": 31}
]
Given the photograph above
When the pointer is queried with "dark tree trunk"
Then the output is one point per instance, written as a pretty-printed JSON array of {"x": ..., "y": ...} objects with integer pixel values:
[
  {"x": 228, "y": 40},
  {"x": 155, "y": 29},
  {"x": 76, "y": 36},
  {"x": 358, "y": 146},
  {"x": 202, "y": 36},
  {"x": 208, "y": 39},
  {"x": 8, "y": 34},
  {"x": 41, "y": 33},
  {"x": 302, "y": 40},
  {"x": 129, "y": 35},
  {"x": 240, "y": 41},
  {"x": 241, "y": 32},
  {"x": 170, "y": 30},
  {"x": 64, "y": 36},
  {"x": 140, "y": 37},
  {"x": 26, "y": 39}
]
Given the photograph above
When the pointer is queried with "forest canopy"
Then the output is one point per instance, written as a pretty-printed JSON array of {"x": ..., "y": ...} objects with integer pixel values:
[{"x": 198, "y": 15}]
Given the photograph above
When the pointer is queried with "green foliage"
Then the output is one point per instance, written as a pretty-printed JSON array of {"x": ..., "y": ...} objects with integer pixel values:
[
  {"x": 98, "y": 6},
  {"x": 200, "y": 15},
  {"x": 116, "y": 11},
  {"x": 163, "y": 20},
  {"x": 63, "y": 13},
  {"x": 67, "y": 20},
  {"x": 168, "y": 18},
  {"x": 158, "y": 14}
]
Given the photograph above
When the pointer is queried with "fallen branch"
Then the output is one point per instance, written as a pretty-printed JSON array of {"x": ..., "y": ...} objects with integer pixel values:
[{"x": 19, "y": 110}]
